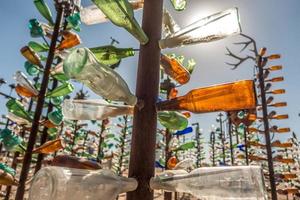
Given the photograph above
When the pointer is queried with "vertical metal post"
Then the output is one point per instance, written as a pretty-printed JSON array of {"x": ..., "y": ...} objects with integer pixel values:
[
  {"x": 260, "y": 66},
  {"x": 101, "y": 140},
  {"x": 212, "y": 140},
  {"x": 197, "y": 132},
  {"x": 142, "y": 155},
  {"x": 230, "y": 138},
  {"x": 246, "y": 145},
  {"x": 39, "y": 107},
  {"x": 222, "y": 138}
]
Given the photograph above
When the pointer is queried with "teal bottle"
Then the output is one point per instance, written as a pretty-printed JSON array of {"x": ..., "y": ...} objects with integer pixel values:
[
  {"x": 110, "y": 55},
  {"x": 121, "y": 14},
  {"x": 173, "y": 120},
  {"x": 57, "y": 100},
  {"x": 17, "y": 108},
  {"x": 56, "y": 117},
  {"x": 36, "y": 29},
  {"x": 82, "y": 65},
  {"x": 31, "y": 69},
  {"x": 44, "y": 10},
  {"x": 10, "y": 141},
  {"x": 74, "y": 22},
  {"x": 62, "y": 90},
  {"x": 7, "y": 169}
]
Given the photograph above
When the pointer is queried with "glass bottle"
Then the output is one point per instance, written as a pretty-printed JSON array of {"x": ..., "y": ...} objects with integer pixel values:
[
  {"x": 83, "y": 66},
  {"x": 179, "y": 5},
  {"x": 210, "y": 183},
  {"x": 70, "y": 40},
  {"x": 211, "y": 28},
  {"x": 279, "y": 144},
  {"x": 275, "y": 68},
  {"x": 25, "y": 83},
  {"x": 110, "y": 55},
  {"x": 184, "y": 131},
  {"x": 36, "y": 29},
  {"x": 17, "y": 120},
  {"x": 93, "y": 15},
  {"x": 276, "y": 79},
  {"x": 7, "y": 169},
  {"x": 93, "y": 109},
  {"x": 62, "y": 90},
  {"x": 174, "y": 69},
  {"x": 31, "y": 69},
  {"x": 172, "y": 120},
  {"x": 50, "y": 147},
  {"x": 279, "y": 104},
  {"x": 74, "y": 162},
  {"x": 44, "y": 10},
  {"x": 121, "y": 14},
  {"x": 17, "y": 108},
  {"x": 10, "y": 141},
  {"x": 31, "y": 56},
  {"x": 169, "y": 25},
  {"x": 7, "y": 179},
  {"x": 172, "y": 162},
  {"x": 56, "y": 117},
  {"x": 278, "y": 91},
  {"x": 38, "y": 47},
  {"x": 186, "y": 146},
  {"x": 74, "y": 21},
  {"x": 57, "y": 183},
  {"x": 280, "y": 117},
  {"x": 24, "y": 92},
  {"x": 225, "y": 97}
]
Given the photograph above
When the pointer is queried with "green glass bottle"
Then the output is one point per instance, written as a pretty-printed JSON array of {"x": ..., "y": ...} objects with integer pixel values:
[
  {"x": 186, "y": 146},
  {"x": 38, "y": 47},
  {"x": 74, "y": 22},
  {"x": 179, "y": 5},
  {"x": 10, "y": 141},
  {"x": 62, "y": 90},
  {"x": 7, "y": 169},
  {"x": 56, "y": 117},
  {"x": 82, "y": 65},
  {"x": 120, "y": 12},
  {"x": 36, "y": 29},
  {"x": 31, "y": 69},
  {"x": 110, "y": 55},
  {"x": 173, "y": 120},
  {"x": 57, "y": 100},
  {"x": 61, "y": 77},
  {"x": 17, "y": 108},
  {"x": 44, "y": 10},
  {"x": 52, "y": 131}
]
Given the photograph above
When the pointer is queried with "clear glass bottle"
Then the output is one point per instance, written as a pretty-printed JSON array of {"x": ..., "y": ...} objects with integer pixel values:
[
  {"x": 57, "y": 183},
  {"x": 93, "y": 15},
  {"x": 121, "y": 14},
  {"x": 211, "y": 28},
  {"x": 169, "y": 25},
  {"x": 82, "y": 65},
  {"x": 23, "y": 81},
  {"x": 93, "y": 109},
  {"x": 212, "y": 183},
  {"x": 172, "y": 120}
]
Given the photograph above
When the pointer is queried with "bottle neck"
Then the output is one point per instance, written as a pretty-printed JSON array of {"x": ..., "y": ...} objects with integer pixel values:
[{"x": 173, "y": 104}]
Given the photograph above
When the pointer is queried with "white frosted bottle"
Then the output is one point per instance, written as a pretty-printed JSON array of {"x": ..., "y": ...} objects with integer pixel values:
[
  {"x": 59, "y": 183},
  {"x": 82, "y": 65},
  {"x": 214, "y": 183},
  {"x": 93, "y": 109}
]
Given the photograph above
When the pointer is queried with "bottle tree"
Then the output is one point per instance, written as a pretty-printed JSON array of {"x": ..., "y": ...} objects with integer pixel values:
[{"x": 265, "y": 98}]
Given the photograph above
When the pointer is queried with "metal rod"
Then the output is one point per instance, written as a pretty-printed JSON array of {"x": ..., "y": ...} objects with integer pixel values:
[
  {"x": 39, "y": 107},
  {"x": 197, "y": 134},
  {"x": 246, "y": 145},
  {"x": 142, "y": 155},
  {"x": 230, "y": 138},
  {"x": 222, "y": 138},
  {"x": 101, "y": 140},
  {"x": 266, "y": 125}
]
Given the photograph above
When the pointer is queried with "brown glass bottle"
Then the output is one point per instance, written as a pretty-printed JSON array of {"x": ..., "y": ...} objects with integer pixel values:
[
  {"x": 50, "y": 147},
  {"x": 225, "y": 97},
  {"x": 31, "y": 56},
  {"x": 174, "y": 69},
  {"x": 70, "y": 40}
]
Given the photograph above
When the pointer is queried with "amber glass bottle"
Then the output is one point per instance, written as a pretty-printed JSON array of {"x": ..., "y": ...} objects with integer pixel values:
[{"x": 226, "y": 97}]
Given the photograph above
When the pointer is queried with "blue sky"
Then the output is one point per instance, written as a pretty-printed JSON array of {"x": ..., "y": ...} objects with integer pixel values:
[{"x": 273, "y": 23}]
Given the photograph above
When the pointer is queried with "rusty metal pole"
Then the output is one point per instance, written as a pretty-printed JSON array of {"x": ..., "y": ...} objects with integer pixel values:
[
  {"x": 142, "y": 155},
  {"x": 246, "y": 144},
  {"x": 230, "y": 138},
  {"x": 39, "y": 107},
  {"x": 260, "y": 64}
]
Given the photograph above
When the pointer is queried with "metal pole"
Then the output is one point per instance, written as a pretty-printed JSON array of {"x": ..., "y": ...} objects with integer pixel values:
[
  {"x": 39, "y": 107},
  {"x": 246, "y": 145},
  {"x": 213, "y": 139},
  {"x": 142, "y": 155},
  {"x": 198, "y": 160},
  {"x": 266, "y": 125},
  {"x": 222, "y": 138},
  {"x": 230, "y": 138},
  {"x": 101, "y": 139}
]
